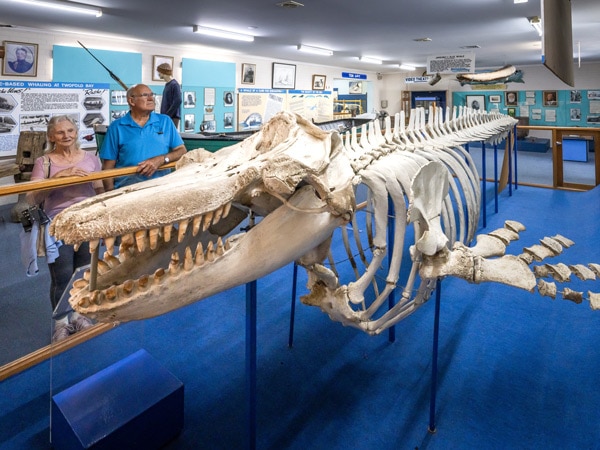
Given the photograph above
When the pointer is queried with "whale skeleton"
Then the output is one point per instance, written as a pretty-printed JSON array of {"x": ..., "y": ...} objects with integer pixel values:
[{"x": 174, "y": 240}]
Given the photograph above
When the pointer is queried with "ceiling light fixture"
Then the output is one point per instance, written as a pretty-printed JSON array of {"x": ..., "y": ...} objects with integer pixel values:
[
  {"x": 315, "y": 50},
  {"x": 521, "y": 1},
  {"x": 536, "y": 23},
  {"x": 407, "y": 67},
  {"x": 368, "y": 59},
  {"x": 223, "y": 33},
  {"x": 77, "y": 8}
]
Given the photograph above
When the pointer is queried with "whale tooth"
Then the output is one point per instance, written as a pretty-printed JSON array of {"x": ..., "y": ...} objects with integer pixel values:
[
  {"x": 141, "y": 237},
  {"x": 188, "y": 261},
  {"x": 111, "y": 260},
  {"x": 167, "y": 229},
  {"x": 199, "y": 256},
  {"x": 102, "y": 267},
  {"x": 153, "y": 234},
  {"x": 217, "y": 216},
  {"x": 174, "y": 264},
  {"x": 80, "y": 284},
  {"x": 183, "y": 224},
  {"x": 143, "y": 281},
  {"x": 128, "y": 287},
  {"x": 84, "y": 302},
  {"x": 124, "y": 253},
  {"x": 227, "y": 244},
  {"x": 94, "y": 245},
  {"x": 97, "y": 298},
  {"x": 158, "y": 275},
  {"x": 127, "y": 240},
  {"x": 196, "y": 226},
  {"x": 226, "y": 209},
  {"x": 220, "y": 248},
  {"x": 207, "y": 219},
  {"x": 111, "y": 293},
  {"x": 109, "y": 242},
  {"x": 210, "y": 252}
]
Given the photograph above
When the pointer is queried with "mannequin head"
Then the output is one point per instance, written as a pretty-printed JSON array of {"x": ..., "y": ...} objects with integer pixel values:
[{"x": 165, "y": 71}]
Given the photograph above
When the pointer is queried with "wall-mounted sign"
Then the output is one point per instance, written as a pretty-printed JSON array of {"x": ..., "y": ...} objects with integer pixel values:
[
  {"x": 356, "y": 76},
  {"x": 455, "y": 63},
  {"x": 409, "y": 80}
]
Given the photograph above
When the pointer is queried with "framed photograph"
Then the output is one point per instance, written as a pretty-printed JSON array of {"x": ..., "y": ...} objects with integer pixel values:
[
  {"x": 189, "y": 99},
  {"x": 511, "y": 98},
  {"x": 575, "y": 96},
  {"x": 494, "y": 99},
  {"x": 228, "y": 98},
  {"x": 512, "y": 112},
  {"x": 284, "y": 76},
  {"x": 228, "y": 120},
  {"x": 476, "y": 102},
  {"x": 20, "y": 59},
  {"x": 157, "y": 60},
  {"x": 355, "y": 87},
  {"x": 319, "y": 82},
  {"x": 248, "y": 73},
  {"x": 550, "y": 98}
]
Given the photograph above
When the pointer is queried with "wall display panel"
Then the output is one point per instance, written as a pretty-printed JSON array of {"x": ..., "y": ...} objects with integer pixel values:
[{"x": 76, "y": 64}]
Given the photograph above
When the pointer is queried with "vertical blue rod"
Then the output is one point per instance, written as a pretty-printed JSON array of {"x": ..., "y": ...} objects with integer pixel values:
[
  {"x": 390, "y": 232},
  {"x": 293, "y": 308},
  {"x": 251, "y": 363},
  {"x": 512, "y": 136},
  {"x": 484, "y": 184},
  {"x": 496, "y": 177},
  {"x": 516, "y": 153},
  {"x": 434, "y": 357}
]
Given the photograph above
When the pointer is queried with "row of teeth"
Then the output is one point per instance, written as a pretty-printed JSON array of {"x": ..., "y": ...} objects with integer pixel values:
[
  {"x": 144, "y": 239},
  {"x": 112, "y": 293}
]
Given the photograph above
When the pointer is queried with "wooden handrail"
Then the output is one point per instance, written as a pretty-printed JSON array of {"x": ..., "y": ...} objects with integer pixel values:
[{"x": 51, "y": 183}]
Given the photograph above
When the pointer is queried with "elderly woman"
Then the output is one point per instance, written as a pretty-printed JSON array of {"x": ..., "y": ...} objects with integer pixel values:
[{"x": 64, "y": 157}]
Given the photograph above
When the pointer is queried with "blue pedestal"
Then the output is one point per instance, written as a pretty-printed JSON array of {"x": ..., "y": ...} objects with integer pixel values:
[{"x": 135, "y": 404}]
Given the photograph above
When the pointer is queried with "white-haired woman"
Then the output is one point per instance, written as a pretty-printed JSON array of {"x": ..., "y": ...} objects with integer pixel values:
[{"x": 64, "y": 157}]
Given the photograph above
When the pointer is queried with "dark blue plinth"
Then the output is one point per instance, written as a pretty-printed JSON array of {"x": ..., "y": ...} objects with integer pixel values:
[{"x": 135, "y": 404}]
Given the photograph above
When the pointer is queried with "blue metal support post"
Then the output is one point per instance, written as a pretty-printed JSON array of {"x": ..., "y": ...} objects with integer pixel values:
[
  {"x": 251, "y": 363},
  {"x": 434, "y": 357}
]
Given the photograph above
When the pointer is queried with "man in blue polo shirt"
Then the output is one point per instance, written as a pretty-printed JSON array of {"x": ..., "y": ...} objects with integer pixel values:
[{"x": 141, "y": 138}]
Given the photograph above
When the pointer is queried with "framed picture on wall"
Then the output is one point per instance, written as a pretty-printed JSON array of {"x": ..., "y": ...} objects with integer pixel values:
[
  {"x": 248, "y": 73},
  {"x": 20, "y": 59},
  {"x": 157, "y": 60},
  {"x": 318, "y": 82},
  {"x": 512, "y": 112},
  {"x": 476, "y": 102},
  {"x": 284, "y": 76},
  {"x": 511, "y": 98},
  {"x": 550, "y": 98},
  {"x": 494, "y": 99}
]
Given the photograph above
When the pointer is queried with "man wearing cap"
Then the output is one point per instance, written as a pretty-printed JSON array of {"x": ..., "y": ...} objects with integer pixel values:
[{"x": 171, "y": 99}]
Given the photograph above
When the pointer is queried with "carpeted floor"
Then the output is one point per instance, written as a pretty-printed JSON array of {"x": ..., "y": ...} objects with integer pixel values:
[{"x": 515, "y": 370}]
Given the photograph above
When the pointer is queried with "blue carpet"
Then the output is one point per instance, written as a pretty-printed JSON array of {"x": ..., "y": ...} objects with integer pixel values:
[{"x": 516, "y": 371}]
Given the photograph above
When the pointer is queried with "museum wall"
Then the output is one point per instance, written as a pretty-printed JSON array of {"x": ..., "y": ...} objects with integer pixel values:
[{"x": 46, "y": 41}]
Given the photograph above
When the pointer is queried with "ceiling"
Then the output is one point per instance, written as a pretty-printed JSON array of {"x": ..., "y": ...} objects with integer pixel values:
[{"x": 385, "y": 29}]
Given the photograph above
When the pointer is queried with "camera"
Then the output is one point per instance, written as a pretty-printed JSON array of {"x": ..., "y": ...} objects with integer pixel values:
[{"x": 31, "y": 215}]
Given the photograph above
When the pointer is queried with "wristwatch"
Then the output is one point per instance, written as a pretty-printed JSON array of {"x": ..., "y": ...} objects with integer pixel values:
[{"x": 167, "y": 160}]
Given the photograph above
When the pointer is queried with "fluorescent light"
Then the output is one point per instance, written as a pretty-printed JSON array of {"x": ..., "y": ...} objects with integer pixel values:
[
  {"x": 407, "y": 67},
  {"x": 520, "y": 1},
  {"x": 64, "y": 6},
  {"x": 223, "y": 33},
  {"x": 315, "y": 50},
  {"x": 368, "y": 59},
  {"x": 536, "y": 23}
]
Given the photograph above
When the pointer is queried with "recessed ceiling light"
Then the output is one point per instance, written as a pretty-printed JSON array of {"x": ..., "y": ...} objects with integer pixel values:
[
  {"x": 64, "y": 6},
  {"x": 423, "y": 39},
  {"x": 223, "y": 33}
]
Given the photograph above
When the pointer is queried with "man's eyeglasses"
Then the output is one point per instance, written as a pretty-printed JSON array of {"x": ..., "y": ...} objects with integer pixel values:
[{"x": 145, "y": 94}]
